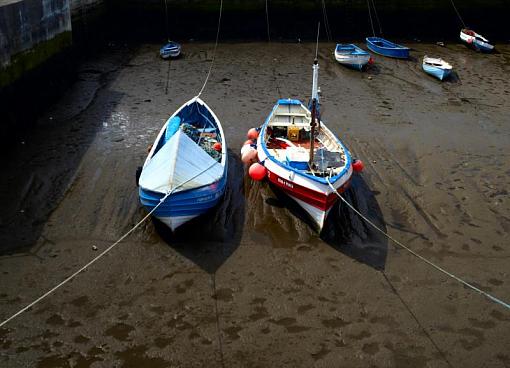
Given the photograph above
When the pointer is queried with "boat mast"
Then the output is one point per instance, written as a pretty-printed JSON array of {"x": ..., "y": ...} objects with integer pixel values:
[
  {"x": 315, "y": 81},
  {"x": 313, "y": 124},
  {"x": 315, "y": 98}
]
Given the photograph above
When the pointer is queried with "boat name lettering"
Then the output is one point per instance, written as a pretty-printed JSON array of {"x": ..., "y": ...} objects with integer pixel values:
[{"x": 285, "y": 183}]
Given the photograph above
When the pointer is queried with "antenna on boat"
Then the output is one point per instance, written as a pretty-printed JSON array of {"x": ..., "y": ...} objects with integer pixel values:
[
  {"x": 315, "y": 97},
  {"x": 315, "y": 79}
]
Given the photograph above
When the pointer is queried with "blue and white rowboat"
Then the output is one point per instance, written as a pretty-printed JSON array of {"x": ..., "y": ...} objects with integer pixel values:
[
  {"x": 436, "y": 67},
  {"x": 351, "y": 56},
  {"x": 170, "y": 50},
  {"x": 184, "y": 165},
  {"x": 475, "y": 40},
  {"x": 386, "y": 48}
]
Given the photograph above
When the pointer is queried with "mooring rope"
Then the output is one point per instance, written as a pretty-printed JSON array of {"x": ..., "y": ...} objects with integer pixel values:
[
  {"x": 267, "y": 23},
  {"x": 214, "y": 52},
  {"x": 273, "y": 71},
  {"x": 326, "y": 22},
  {"x": 377, "y": 18},
  {"x": 52, "y": 290},
  {"x": 370, "y": 16},
  {"x": 458, "y": 14},
  {"x": 166, "y": 22},
  {"x": 430, "y": 263}
]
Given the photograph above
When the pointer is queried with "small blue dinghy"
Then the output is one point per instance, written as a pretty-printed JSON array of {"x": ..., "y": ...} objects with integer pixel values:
[
  {"x": 186, "y": 166},
  {"x": 351, "y": 56},
  {"x": 436, "y": 67},
  {"x": 386, "y": 48},
  {"x": 170, "y": 50}
]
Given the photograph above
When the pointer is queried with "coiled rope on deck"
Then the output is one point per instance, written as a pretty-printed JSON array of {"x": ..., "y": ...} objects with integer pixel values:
[
  {"x": 55, "y": 288},
  {"x": 214, "y": 51},
  {"x": 430, "y": 263}
]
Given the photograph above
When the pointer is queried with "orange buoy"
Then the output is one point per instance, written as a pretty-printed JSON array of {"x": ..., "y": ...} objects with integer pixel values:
[
  {"x": 217, "y": 146},
  {"x": 371, "y": 60},
  {"x": 253, "y": 133},
  {"x": 357, "y": 166},
  {"x": 257, "y": 171},
  {"x": 250, "y": 156}
]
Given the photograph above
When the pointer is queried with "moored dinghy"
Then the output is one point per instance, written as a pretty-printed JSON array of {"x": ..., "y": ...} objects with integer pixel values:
[
  {"x": 436, "y": 67},
  {"x": 170, "y": 50},
  {"x": 303, "y": 157},
  {"x": 186, "y": 166},
  {"x": 384, "y": 47},
  {"x": 475, "y": 40},
  {"x": 351, "y": 56}
]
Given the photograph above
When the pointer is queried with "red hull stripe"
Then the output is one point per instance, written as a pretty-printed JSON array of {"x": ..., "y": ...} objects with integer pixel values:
[{"x": 317, "y": 199}]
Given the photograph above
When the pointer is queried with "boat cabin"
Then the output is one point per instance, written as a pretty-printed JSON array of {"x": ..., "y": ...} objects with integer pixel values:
[{"x": 287, "y": 138}]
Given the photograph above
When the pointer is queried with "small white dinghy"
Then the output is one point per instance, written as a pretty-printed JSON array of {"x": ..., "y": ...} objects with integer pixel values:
[{"x": 437, "y": 67}]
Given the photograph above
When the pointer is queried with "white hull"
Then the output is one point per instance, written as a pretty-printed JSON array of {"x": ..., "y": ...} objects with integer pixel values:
[
  {"x": 352, "y": 60},
  {"x": 174, "y": 222},
  {"x": 476, "y": 40},
  {"x": 318, "y": 216}
]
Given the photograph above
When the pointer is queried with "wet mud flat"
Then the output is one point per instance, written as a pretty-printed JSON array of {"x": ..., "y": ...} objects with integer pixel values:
[{"x": 256, "y": 287}]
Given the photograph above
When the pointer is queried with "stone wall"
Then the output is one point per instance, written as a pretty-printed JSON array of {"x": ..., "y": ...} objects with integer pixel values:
[{"x": 31, "y": 32}]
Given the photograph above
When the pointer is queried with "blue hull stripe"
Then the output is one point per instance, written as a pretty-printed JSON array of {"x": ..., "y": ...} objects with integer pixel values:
[{"x": 190, "y": 202}]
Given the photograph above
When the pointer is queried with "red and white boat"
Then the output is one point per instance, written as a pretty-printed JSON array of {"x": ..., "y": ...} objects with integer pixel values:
[{"x": 303, "y": 157}]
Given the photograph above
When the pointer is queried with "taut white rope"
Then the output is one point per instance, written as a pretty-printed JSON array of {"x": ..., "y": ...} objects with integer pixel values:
[
  {"x": 214, "y": 52},
  {"x": 430, "y": 263}
]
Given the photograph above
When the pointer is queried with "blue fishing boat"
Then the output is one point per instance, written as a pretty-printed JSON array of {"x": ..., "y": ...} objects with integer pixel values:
[
  {"x": 386, "y": 48},
  {"x": 351, "y": 56},
  {"x": 186, "y": 167},
  {"x": 170, "y": 50},
  {"x": 437, "y": 67}
]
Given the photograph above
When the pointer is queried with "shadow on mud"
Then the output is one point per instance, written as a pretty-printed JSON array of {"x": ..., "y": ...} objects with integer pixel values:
[
  {"x": 347, "y": 232},
  {"x": 39, "y": 168},
  {"x": 373, "y": 69},
  {"x": 210, "y": 239},
  {"x": 344, "y": 230}
]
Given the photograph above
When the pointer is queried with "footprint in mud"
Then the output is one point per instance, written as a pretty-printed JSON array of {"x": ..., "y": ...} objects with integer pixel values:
[{"x": 119, "y": 331}]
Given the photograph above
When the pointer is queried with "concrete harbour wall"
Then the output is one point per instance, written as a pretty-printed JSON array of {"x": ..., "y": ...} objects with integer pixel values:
[{"x": 31, "y": 32}]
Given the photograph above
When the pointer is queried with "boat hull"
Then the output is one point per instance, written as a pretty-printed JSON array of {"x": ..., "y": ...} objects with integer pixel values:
[
  {"x": 170, "y": 50},
  {"x": 313, "y": 194},
  {"x": 476, "y": 42},
  {"x": 195, "y": 181},
  {"x": 181, "y": 207},
  {"x": 356, "y": 59},
  {"x": 386, "y": 48},
  {"x": 438, "y": 73},
  {"x": 316, "y": 202}
]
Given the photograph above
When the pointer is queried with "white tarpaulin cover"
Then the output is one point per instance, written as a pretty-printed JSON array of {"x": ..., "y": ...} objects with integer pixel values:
[{"x": 179, "y": 160}]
